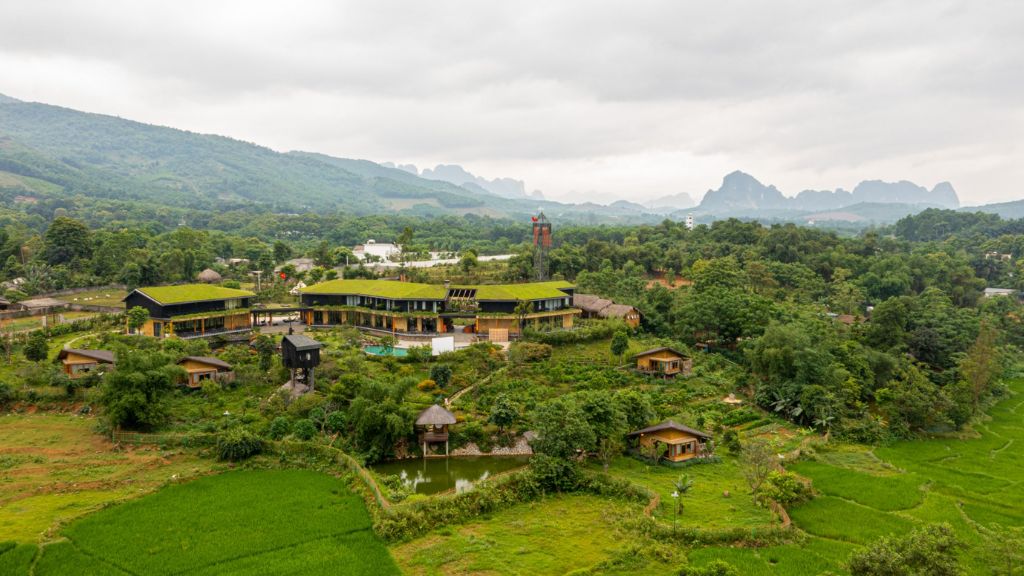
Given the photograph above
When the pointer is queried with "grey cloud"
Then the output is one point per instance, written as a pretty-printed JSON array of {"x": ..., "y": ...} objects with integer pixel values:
[{"x": 805, "y": 95}]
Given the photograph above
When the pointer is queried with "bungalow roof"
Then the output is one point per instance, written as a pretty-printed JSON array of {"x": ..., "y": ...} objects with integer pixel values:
[
  {"x": 670, "y": 425},
  {"x": 208, "y": 360},
  {"x": 104, "y": 356},
  {"x": 659, "y": 349}
]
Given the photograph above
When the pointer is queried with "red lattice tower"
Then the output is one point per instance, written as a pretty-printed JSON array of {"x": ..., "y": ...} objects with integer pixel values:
[{"x": 541, "y": 244}]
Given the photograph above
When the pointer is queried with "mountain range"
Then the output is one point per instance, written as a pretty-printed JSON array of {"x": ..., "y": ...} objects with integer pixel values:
[
  {"x": 455, "y": 174},
  {"x": 52, "y": 151},
  {"x": 742, "y": 194}
]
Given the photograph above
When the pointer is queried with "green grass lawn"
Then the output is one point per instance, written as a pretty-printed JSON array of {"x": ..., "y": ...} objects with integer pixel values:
[
  {"x": 706, "y": 505},
  {"x": 99, "y": 297},
  {"x": 553, "y": 536},
  {"x": 242, "y": 522}
]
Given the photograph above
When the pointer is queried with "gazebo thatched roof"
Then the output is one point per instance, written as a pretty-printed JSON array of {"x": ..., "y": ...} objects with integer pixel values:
[
  {"x": 435, "y": 416},
  {"x": 209, "y": 276}
]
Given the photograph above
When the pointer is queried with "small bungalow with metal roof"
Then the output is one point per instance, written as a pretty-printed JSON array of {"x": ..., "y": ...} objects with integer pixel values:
[
  {"x": 77, "y": 362},
  {"x": 433, "y": 427},
  {"x": 202, "y": 368},
  {"x": 681, "y": 442},
  {"x": 663, "y": 361},
  {"x": 192, "y": 310}
]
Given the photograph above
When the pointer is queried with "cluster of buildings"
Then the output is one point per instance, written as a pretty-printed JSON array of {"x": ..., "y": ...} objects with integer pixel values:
[{"x": 77, "y": 362}]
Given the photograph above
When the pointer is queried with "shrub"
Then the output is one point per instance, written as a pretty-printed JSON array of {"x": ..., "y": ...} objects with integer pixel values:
[
  {"x": 36, "y": 349},
  {"x": 304, "y": 429},
  {"x": 335, "y": 421},
  {"x": 784, "y": 488},
  {"x": 279, "y": 428},
  {"x": 731, "y": 441},
  {"x": 231, "y": 284},
  {"x": 427, "y": 385},
  {"x": 929, "y": 550},
  {"x": 530, "y": 352},
  {"x": 7, "y": 394},
  {"x": 238, "y": 444},
  {"x": 318, "y": 416},
  {"x": 554, "y": 474},
  {"x": 441, "y": 374}
]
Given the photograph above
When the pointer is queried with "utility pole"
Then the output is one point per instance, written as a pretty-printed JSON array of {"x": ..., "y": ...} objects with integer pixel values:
[{"x": 258, "y": 274}]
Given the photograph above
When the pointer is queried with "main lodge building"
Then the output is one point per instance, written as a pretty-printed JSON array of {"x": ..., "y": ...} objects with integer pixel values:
[
  {"x": 192, "y": 310},
  {"x": 413, "y": 308}
]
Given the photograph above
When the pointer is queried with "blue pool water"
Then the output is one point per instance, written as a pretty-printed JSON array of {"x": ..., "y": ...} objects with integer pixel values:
[{"x": 382, "y": 351}]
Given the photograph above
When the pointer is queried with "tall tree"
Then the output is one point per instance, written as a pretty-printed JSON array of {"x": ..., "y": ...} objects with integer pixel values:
[
  {"x": 981, "y": 365},
  {"x": 66, "y": 241}
]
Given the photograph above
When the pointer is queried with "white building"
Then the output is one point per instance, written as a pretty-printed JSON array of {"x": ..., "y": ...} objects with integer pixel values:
[
  {"x": 383, "y": 250},
  {"x": 995, "y": 292}
]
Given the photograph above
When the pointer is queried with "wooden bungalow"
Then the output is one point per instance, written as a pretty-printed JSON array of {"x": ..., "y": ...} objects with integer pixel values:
[
  {"x": 664, "y": 362},
  {"x": 301, "y": 355},
  {"x": 4, "y": 303},
  {"x": 192, "y": 310},
  {"x": 77, "y": 363},
  {"x": 682, "y": 441},
  {"x": 202, "y": 368},
  {"x": 433, "y": 427}
]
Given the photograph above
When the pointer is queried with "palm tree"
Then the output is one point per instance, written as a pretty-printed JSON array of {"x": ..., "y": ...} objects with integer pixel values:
[
  {"x": 523, "y": 308},
  {"x": 682, "y": 485}
]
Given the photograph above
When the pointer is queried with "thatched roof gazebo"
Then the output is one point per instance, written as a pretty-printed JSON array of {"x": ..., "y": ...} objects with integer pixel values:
[
  {"x": 434, "y": 422},
  {"x": 209, "y": 276}
]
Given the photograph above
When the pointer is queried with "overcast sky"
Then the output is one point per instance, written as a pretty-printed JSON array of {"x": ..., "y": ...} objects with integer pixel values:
[{"x": 581, "y": 99}]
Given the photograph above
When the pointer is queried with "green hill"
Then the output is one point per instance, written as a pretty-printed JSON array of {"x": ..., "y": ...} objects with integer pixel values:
[{"x": 107, "y": 157}]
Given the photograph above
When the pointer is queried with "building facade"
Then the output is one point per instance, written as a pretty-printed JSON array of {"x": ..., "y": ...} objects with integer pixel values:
[
  {"x": 192, "y": 310},
  {"x": 413, "y": 308}
]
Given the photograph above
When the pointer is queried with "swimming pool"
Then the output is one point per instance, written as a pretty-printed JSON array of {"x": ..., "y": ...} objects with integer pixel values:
[{"x": 382, "y": 351}]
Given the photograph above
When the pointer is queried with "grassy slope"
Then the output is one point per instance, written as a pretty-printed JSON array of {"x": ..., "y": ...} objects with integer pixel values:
[
  {"x": 249, "y": 522},
  {"x": 55, "y": 468},
  {"x": 706, "y": 505},
  {"x": 965, "y": 482}
]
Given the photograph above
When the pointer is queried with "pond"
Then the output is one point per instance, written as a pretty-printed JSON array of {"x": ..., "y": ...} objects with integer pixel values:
[
  {"x": 382, "y": 351},
  {"x": 433, "y": 475}
]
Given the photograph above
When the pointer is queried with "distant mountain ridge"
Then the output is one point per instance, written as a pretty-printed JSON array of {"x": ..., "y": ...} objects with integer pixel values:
[
  {"x": 742, "y": 193},
  {"x": 53, "y": 152},
  {"x": 455, "y": 174}
]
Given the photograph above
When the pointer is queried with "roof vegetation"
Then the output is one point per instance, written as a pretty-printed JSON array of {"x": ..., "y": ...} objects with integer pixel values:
[
  {"x": 183, "y": 293},
  {"x": 395, "y": 290}
]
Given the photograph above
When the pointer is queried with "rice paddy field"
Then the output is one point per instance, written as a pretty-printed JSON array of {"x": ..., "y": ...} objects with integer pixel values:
[
  {"x": 55, "y": 468},
  {"x": 240, "y": 522},
  {"x": 558, "y": 535},
  {"x": 973, "y": 483}
]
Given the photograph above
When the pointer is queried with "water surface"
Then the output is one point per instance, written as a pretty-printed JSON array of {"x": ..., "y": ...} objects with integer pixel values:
[
  {"x": 382, "y": 351},
  {"x": 433, "y": 475}
]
